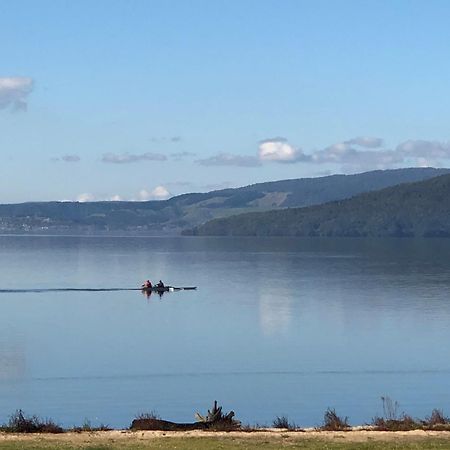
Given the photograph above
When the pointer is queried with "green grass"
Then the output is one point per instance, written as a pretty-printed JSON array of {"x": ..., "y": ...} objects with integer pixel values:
[{"x": 230, "y": 443}]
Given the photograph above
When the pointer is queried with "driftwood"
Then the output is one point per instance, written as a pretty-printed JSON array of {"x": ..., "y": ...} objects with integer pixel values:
[
  {"x": 215, "y": 415},
  {"x": 214, "y": 419},
  {"x": 165, "y": 425}
]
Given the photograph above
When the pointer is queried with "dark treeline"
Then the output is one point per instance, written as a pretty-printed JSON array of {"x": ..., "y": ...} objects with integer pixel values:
[{"x": 420, "y": 209}]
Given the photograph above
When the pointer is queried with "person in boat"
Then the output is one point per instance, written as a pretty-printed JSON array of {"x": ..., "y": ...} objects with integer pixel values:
[
  {"x": 147, "y": 285},
  {"x": 160, "y": 284}
]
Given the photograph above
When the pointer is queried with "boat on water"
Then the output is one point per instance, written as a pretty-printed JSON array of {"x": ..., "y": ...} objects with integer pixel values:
[{"x": 167, "y": 288}]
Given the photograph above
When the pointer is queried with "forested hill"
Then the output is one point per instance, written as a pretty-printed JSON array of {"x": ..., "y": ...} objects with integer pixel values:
[
  {"x": 190, "y": 210},
  {"x": 420, "y": 209}
]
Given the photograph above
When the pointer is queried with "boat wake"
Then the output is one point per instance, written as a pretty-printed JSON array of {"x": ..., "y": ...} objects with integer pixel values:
[{"x": 39, "y": 290}]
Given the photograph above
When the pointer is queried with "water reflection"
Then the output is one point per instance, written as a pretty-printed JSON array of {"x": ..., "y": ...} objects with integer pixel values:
[
  {"x": 148, "y": 293},
  {"x": 275, "y": 311},
  {"x": 12, "y": 362}
]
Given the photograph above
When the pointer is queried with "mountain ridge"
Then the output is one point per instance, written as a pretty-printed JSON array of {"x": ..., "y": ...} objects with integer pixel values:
[
  {"x": 190, "y": 210},
  {"x": 418, "y": 209}
]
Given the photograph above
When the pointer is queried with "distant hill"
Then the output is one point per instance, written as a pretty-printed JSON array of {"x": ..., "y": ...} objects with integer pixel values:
[
  {"x": 190, "y": 210},
  {"x": 420, "y": 209}
]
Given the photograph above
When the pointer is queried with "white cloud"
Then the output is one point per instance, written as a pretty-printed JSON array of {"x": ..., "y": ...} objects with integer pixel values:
[
  {"x": 356, "y": 154},
  {"x": 158, "y": 193},
  {"x": 14, "y": 92},
  {"x": 279, "y": 150},
  {"x": 228, "y": 159},
  {"x": 346, "y": 154},
  {"x": 85, "y": 197},
  {"x": 125, "y": 158}
]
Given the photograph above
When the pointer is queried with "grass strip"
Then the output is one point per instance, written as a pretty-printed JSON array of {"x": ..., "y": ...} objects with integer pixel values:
[{"x": 228, "y": 442}]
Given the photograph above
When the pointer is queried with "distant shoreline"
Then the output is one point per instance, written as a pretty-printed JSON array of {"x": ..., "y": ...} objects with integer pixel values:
[{"x": 400, "y": 203}]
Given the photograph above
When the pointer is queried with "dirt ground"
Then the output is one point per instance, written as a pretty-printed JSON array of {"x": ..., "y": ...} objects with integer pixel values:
[{"x": 126, "y": 436}]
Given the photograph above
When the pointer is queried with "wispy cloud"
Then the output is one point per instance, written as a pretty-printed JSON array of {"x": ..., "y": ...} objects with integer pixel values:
[
  {"x": 67, "y": 158},
  {"x": 273, "y": 139},
  {"x": 228, "y": 159},
  {"x": 14, "y": 92},
  {"x": 421, "y": 148},
  {"x": 126, "y": 158},
  {"x": 172, "y": 139},
  {"x": 365, "y": 141},
  {"x": 189, "y": 186},
  {"x": 179, "y": 184},
  {"x": 425, "y": 153},
  {"x": 359, "y": 153},
  {"x": 411, "y": 152},
  {"x": 279, "y": 150},
  {"x": 70, "y": 158},
  {"x": 347, "y": 156},
  {"x": 182, "y": 155},
  {"x": 217, "y": 186}
]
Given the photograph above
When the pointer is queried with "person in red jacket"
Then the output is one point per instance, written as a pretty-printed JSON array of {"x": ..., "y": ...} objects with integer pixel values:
[{"x": 147, "y": 284}]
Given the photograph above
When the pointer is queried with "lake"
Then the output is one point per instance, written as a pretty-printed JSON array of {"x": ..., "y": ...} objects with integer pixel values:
[{"x": 276, "y": 327}]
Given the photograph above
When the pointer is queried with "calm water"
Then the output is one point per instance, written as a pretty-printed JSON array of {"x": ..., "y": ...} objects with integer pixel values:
[{"x": 276, "y": 327}]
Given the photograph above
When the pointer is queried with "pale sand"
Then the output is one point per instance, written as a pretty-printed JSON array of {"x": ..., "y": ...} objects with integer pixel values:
[{"x": 103, "y": 437}]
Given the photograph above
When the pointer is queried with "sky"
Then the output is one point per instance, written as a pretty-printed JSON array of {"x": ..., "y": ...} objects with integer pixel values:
[{"x": 140, "y": 100}]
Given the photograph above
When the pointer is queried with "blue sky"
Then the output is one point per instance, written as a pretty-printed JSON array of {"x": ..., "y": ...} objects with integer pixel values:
[{"x": 143, "y": 99}]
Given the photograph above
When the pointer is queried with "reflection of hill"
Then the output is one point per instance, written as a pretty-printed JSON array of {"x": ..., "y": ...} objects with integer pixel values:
[
  {"x": 189, "y": 210},
  {"x": 420, "y": 209},
  {"x": 12, "y": 363},
  {"x": 274, "y": 311}
]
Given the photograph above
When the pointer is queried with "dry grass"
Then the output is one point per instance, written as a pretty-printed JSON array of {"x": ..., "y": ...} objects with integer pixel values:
[
  {"x": 20, "y": 423},
  {"x": 333, "y": 422}
]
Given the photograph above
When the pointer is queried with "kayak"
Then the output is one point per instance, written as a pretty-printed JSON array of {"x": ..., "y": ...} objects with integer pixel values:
[{"x": 168, "y": 289}]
